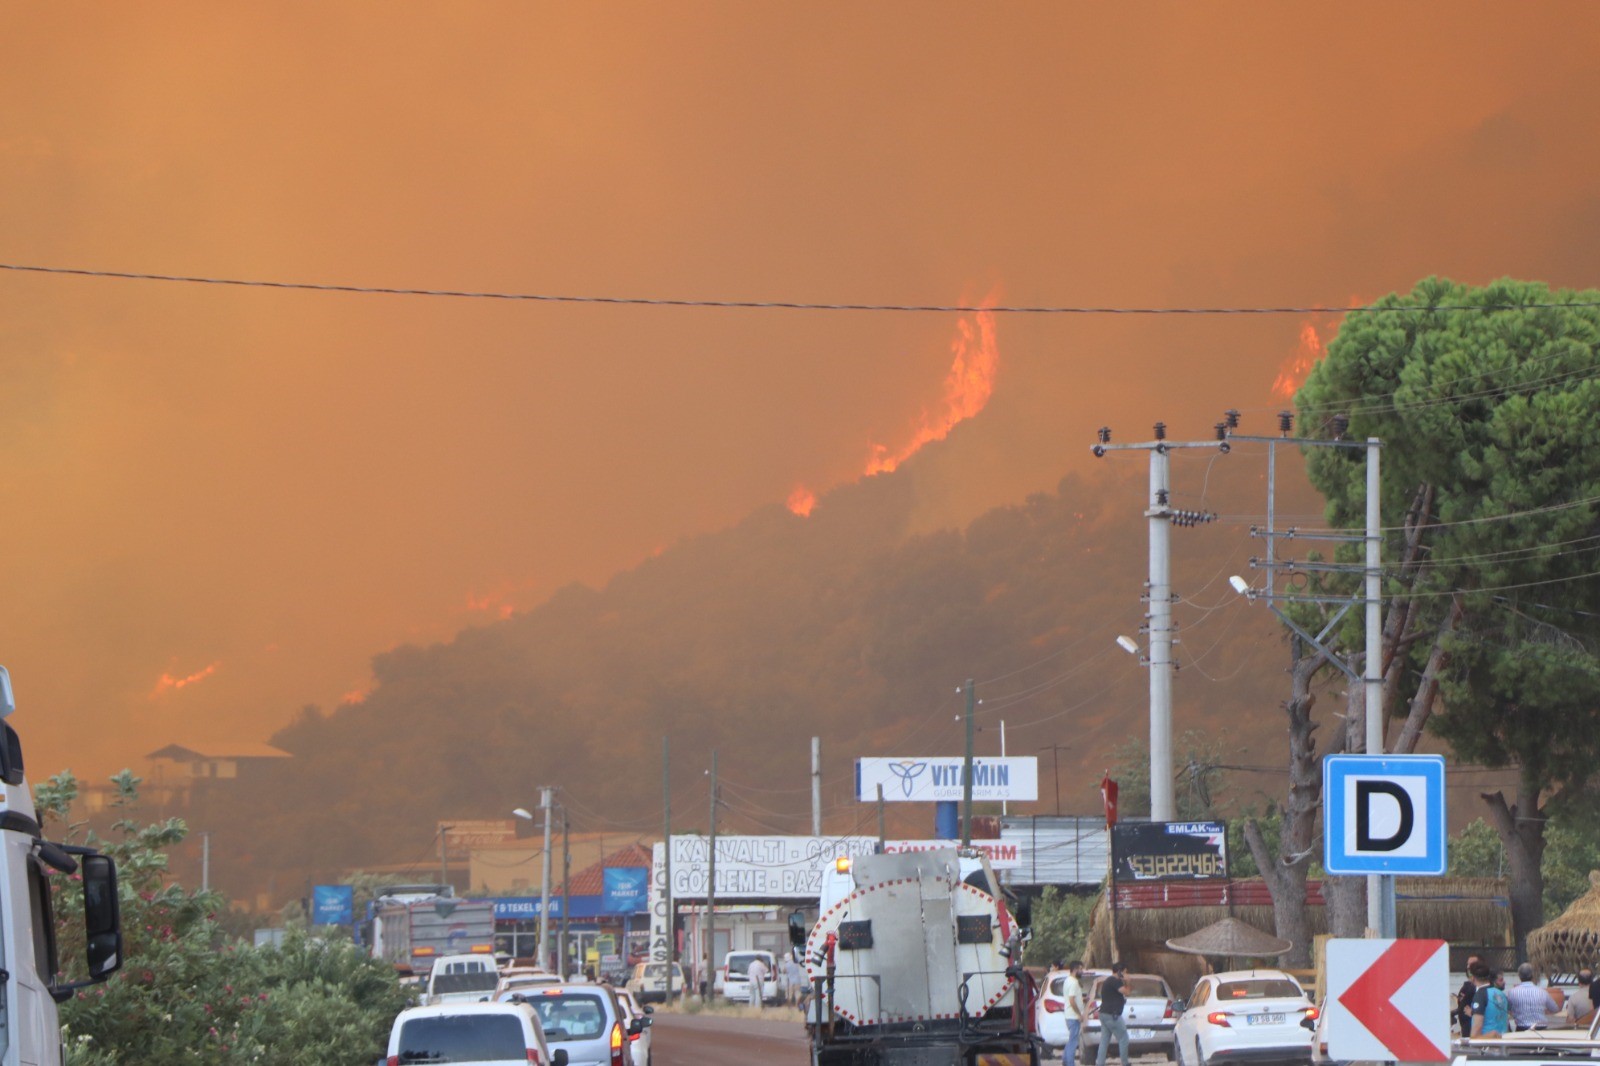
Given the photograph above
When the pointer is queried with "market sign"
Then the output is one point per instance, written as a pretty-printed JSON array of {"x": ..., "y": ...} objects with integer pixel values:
[
  {"x": 943, "y": 778},
  {"x": 759, "y": 867},
  {"x": 1169, "y": 851}
]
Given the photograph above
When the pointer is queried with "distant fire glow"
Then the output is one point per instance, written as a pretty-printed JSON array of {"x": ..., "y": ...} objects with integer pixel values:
[
  {"x": 967, "y": 388},
  {"x": 168, "y": 683}
]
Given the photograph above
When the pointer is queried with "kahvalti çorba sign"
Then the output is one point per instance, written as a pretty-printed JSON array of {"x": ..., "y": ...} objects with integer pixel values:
[
  {"x": 942, "y": 778},
  {"x": 1169, "y": 851}
]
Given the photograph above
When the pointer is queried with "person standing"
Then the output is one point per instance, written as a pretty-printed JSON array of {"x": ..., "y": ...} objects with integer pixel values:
[
  {"x": 1469, "y": 989},
  {"x": 1579, "y": 1006},
  {"x": 757, "y": 975},
  {"x": 1491, "y": 1011},
  {"x": 1113, "y": 1001},
  {"x": 794, "y": 979},
  {"x": 1072, "y": 994}
]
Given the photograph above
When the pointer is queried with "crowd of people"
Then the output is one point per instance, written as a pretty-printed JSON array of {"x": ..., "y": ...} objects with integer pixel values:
[{"x": 1486, "y": 1008}]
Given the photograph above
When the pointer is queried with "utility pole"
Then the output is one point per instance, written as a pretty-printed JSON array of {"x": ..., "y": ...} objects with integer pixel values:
[
  {"x": 444, "y": 862},
  {"x": 1380, "y": 887},
  {"x": 1005, "y": 808},
  {"x": 966, "y": 772},
  {"x": 711, "y": 891},
  {"x": 566, "y": 885},
  {"x": 881, "y": 834},
  {"x": 545, "y": 801},
  {"x": 205, "y": 861},
  {"x": 816, "y": 786},
  {"x": 666, "y": 857},
  {"x": 1055, "y": 771},
  {"x": 1162, "y": 516}
]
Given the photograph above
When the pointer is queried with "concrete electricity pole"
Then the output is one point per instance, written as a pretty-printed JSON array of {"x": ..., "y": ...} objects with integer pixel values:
[
  {"x": 816, "y": 786},
  {"x": 711, "y": 891},
  {"x": 966, "y": 771},
  {"x": 666, "y": 861},
  {"x": 1162, "y": 517},
  {"x": 546, "y": 803}
]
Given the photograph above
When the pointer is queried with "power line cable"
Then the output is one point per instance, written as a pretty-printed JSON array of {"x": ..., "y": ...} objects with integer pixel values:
[{"x": 763, "y": 305}]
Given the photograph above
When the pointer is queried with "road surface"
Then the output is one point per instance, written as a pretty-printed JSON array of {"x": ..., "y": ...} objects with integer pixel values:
[{"x": 713, "y": 1040}]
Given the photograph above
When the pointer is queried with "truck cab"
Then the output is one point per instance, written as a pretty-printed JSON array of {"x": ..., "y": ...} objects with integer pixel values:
[{"x": 30, "y": 982}]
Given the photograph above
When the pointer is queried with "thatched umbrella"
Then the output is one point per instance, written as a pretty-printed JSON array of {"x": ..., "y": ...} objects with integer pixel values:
[
  {"x": 1232, "y": 938},
  {"x": 1572, "y": 941}
]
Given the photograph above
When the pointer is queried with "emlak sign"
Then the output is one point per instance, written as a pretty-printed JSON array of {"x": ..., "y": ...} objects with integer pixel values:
[{"x": 942, "y": 778}]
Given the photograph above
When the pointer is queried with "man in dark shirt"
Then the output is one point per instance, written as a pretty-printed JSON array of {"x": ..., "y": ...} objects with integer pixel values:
[
  {"x": 1113, "y": 999},
  {"x": 1464, "y": 998}
]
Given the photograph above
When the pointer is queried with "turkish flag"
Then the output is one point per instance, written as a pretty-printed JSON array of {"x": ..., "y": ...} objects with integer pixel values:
[{"x": 1108, "y": 795}]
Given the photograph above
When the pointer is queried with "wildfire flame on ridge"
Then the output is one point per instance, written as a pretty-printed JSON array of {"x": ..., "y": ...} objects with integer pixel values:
[
  {"x": 167, "y": 682},
  {"x": 1315, "y": 336},
  {"x": 967, "y": 388}
]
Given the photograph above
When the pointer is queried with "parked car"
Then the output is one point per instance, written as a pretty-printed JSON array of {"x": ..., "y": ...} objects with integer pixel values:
[
  {"x": 471, "y": 1032},
  {"x": 461, "y": 979},
  {"x": 587, "y": 1022},
  {"x": 733, "y": 980},
  {"x": 648, "y": 982},
  {"x": 640, "y": 1040},
  {"x": 1245, "y": 1016},
  {"x": 1149, "y": 1013}
]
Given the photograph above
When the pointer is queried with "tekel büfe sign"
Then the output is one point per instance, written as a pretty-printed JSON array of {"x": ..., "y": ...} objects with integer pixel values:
[{"x": 1169, "y": 851}]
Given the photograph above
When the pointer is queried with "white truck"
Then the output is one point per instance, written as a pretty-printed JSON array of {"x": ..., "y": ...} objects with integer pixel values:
[
  {"x": 915, "y": 960},
  {"x": 30, "y": 984}
]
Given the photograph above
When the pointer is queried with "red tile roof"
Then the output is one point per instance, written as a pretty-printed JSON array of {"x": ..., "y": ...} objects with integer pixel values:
[{"x": 591, "y": 881}]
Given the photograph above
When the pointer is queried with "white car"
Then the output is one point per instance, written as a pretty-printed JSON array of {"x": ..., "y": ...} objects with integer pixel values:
[
  {"x": 1148, "y": 1013},
  {"x": 461, "y": 979},
  {"x": 472, "y": 1032},
  {"x": 1245, "y": 1016},
  {"x": 512, "y": 983},
  {"x": 733, "y": 980},
  {"x": 636, "y": 1013}
]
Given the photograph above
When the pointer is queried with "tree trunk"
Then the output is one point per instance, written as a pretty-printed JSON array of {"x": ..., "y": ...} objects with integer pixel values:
[
  {"x": 1285, "y": 873},
  {"x": 1428, "y": 686},
  {"x": 1521, "y": 829},
  {"x": 1346, "y": 897},
  {"x": 1287, "y": 883}
]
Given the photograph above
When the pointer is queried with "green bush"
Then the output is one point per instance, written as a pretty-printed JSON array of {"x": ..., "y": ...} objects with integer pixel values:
[{"x": 190, "y": 993}]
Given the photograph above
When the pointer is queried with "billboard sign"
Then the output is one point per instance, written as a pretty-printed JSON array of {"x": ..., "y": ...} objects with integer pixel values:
[
  {"x": 1002, "y": 854},
  {"x": 625, "y": 889},
  {"x": 942, "y": 778},
  {"x": 759, "y": 867},
  {"x": 333, "y": 905},
  {"x": 1169, "y": 851}
]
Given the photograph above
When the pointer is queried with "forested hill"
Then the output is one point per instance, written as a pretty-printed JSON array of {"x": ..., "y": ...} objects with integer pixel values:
[{"x": 750, "y": 641}]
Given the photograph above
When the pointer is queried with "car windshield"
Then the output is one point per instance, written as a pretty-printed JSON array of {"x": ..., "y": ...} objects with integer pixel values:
[
  {"x": 739, "y": 965},
  {"x": 578, "y": 1016},
  {"x": 463, "y": 1038},
  {"x": 1257, "y": 988},
  {"x": 1145, "y": 988},
  {"x": 470, "y": 981}
]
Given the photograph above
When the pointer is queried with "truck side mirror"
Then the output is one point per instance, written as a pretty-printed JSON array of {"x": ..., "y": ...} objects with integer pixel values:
[
  {"x": 797, "y": 929},
  {"x": 102, "y": 916},
  {"x": 1025, "y": 913}
]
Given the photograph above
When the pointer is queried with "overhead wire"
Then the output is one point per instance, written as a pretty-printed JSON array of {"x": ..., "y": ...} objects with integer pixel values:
[{"x": 786, "y": 305}]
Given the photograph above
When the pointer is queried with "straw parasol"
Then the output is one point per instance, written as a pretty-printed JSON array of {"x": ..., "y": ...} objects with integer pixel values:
[
  {"x": 1232, "y": 938},
  {"x": 1571, "y": 941}
]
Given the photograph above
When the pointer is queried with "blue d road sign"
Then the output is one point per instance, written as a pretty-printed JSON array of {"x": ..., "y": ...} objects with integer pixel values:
[{"x": 1383, "y": 814}]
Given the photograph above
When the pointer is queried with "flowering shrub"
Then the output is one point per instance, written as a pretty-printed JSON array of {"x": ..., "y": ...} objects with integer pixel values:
[{"x": 189, "y": 993}]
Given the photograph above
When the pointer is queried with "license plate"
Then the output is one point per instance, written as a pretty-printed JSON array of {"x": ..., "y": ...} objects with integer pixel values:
[
  {"x": 1268, "y": 1019},
  {"x": 1141, "y": 1034}
]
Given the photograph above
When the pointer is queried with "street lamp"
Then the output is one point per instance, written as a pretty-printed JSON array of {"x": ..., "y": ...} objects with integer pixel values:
[{"x": 544, "y": 878}]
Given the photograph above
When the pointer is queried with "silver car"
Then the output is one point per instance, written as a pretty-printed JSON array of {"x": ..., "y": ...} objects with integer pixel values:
[
  {"x": 1149, "y": 1015},
  {"x": 587, "y": 1022}
]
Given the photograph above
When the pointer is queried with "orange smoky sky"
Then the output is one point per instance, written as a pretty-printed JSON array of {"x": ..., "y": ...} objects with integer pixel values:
[{"x": 288, "y": 482}]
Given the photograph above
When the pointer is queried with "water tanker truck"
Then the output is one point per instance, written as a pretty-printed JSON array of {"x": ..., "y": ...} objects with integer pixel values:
[{"x": 915, "y": 960}]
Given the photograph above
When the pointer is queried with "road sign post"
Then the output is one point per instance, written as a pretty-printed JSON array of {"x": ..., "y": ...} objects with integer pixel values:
[
  {"x": 1389, "y": 1000},
  {"x": 1384, "y": 815}
]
